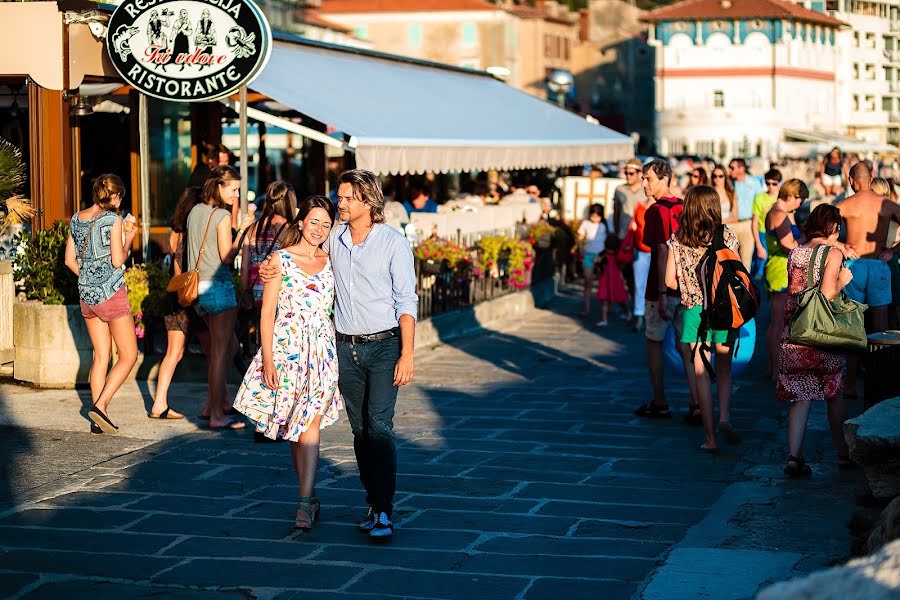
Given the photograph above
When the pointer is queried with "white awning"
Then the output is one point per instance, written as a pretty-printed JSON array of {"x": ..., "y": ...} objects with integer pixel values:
[
  {"x": 821, "y": 142},
  {"x": 408, "y": 116}
]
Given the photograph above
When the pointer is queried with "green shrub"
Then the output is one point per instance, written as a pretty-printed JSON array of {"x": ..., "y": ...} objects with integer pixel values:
[{"x": 41, "y": 266}]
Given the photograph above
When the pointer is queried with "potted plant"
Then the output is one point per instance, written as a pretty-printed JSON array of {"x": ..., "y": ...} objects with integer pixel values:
[{"x": 53, "y": 348}]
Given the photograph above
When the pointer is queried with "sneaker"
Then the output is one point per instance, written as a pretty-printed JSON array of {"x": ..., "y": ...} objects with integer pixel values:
[
  {"x": 382, "y": 527},
  {"x": 368, "y": 523}
]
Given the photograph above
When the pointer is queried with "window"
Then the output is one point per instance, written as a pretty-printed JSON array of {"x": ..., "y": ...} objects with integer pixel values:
[
  {"x": 870, "y": 40},
  {"x": 469, "y": 34},
  {"x": 718, "y": 99},
  {"x": 414, "y": 35},
  {"x": 856, "y": 39},
  {"x": 870, "y": 72},
  {"x": 855, "y": 103},
  {"x": 855, "y": 70},
  {"x": 870, "y": 103},
  {"x": 887, "y": 104},
  {"x": 361, "y": 31}
]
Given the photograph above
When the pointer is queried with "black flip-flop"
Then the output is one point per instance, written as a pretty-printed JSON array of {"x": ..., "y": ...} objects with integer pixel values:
[
  {"x": 229, "y": 426},
  {"x": 164, "y": 415},
  {"x": 102, "y": 421}
]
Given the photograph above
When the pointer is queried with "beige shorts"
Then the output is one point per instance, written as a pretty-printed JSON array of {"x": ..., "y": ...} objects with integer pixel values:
[{"x": 656, "y": 326}]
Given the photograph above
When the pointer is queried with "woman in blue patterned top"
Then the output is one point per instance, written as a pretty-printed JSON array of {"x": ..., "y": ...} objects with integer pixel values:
[{"x": 96, "y": 251}]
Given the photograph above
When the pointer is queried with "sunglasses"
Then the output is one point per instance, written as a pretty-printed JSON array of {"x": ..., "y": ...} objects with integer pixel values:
[
  {"x": 631, "y": 172},
  {"x": 695, "y": 176},
  {"x": 718, "y": 177},
  {"x": 772, "y": 183}
]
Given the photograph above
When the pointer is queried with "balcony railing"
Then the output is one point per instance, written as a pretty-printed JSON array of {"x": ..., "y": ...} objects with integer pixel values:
[{"x": 895, "y": 25}]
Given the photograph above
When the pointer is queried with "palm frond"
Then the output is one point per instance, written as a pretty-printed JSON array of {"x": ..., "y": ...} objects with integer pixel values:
[{"x": 12, "y": 169}]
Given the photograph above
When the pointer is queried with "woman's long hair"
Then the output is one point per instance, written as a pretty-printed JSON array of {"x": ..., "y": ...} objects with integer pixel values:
[
  {"x": 188, "y": 199},
  {"x": 701, "y": 215},
  {"x": 729, "y": 185},
  {"x": 293, "y": 234},
  {"x": 212, "y": 188},
  {"x": 280, "y": 200},
  {"x": 884, "y": 188}
]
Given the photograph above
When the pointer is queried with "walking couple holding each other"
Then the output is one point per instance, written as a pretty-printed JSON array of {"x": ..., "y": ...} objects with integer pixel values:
[{"x": 307, "y": 365}]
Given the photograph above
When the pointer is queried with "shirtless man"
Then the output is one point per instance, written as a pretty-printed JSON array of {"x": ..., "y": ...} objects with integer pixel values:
[{"x": 868, "y": 216}]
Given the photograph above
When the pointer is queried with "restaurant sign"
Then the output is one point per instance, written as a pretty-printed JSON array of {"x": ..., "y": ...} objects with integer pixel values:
[{"x": 188, "y": 50}]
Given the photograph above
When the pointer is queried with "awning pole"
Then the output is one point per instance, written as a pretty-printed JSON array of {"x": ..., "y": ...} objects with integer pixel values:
[
  {"x": 144, "y": 144},
  {"x": 245, "y": 160}
]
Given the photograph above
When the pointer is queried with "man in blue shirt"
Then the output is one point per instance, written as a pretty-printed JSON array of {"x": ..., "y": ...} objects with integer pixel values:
[
  {"x": 746, "y": 187},
  {"x": 421, "y": 202},
  {"x": 375, "y": 317}
]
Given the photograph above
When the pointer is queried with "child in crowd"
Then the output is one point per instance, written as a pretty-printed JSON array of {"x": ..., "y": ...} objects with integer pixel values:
[{"x": 610, "y": 282}]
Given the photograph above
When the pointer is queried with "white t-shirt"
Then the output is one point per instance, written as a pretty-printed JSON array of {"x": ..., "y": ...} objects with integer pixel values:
[{"x": 594, "y": 236}]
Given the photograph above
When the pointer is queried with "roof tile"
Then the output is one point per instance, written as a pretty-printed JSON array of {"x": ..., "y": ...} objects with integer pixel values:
[{"x": 705, "y": 10}]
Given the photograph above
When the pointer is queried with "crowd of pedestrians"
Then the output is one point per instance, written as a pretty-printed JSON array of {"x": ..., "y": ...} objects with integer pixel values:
[
  {"x": 331, "y": 293},
  {"x": 849, "y": 244}
]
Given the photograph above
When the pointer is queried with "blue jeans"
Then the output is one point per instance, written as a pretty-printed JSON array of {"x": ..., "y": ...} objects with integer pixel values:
[
  {"x": 366, "y": 381},
  {"x": 759, "y": 264}
]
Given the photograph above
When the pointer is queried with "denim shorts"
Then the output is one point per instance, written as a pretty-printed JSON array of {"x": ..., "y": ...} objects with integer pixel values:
[
  {"x": 216, "y": 297},
  {"x": 588, "y": 260}
]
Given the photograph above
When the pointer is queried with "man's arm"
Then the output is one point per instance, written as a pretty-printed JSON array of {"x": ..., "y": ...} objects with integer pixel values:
[
  {"x": 618, "y": 200},
  {"x": 406, "y": 304},
  {"x": 661, "y": 264}
]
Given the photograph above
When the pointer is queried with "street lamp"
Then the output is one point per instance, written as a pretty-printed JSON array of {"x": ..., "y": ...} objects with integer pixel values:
[{"x": 560, "y": 82}]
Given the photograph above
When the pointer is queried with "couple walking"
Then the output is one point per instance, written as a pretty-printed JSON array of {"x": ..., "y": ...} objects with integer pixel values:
[{"x": 362, "y": 271}]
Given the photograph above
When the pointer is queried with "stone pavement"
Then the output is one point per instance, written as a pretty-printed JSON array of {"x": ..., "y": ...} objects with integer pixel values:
[{"x": 523, "y": 475}]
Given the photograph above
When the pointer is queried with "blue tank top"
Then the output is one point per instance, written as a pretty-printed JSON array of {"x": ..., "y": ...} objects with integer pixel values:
[{"x": 98, "y": 280}]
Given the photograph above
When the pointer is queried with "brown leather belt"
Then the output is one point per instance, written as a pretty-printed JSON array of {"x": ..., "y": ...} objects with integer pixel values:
[{"x": 367, "y": 337}]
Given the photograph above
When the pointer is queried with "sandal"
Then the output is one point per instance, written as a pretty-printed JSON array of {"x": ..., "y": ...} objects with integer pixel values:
[
  {"x": 232, "y": 425},
  {"x": 653, "y": 411},
  {"x": 694, "y": 415},
  {"x": 102, "y": 421},
  {"x": 166, "y": 415},
  {"x": 845, "y": 463},
  {"x": 799, "y": 468},
  {"x": 709, "y": 449},
  {"x": 729, "y": 433},
  {"x": 308, "y": 509}
]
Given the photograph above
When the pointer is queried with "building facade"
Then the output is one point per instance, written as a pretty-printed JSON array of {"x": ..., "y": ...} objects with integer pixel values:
[
  {"x": 614, "y": 68},
  {"x": 733, "y": 75},
  {"x": 869, "y": 66}
]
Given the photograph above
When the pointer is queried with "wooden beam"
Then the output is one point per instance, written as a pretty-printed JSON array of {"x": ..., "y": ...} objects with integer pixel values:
[{"x": 52, "y": 188}]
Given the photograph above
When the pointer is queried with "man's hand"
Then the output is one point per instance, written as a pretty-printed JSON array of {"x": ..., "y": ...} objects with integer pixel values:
[
  {"x": 662, "y": 307},
  {"x": 269, "y": 270},
  {"x": 404, "y": 370}
]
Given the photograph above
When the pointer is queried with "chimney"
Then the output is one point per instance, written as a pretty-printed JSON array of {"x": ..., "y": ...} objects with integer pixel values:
[{"x": 584, "y": 25}]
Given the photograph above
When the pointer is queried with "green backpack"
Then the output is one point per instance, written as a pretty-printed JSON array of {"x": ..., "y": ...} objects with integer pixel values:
[{"x": 836, "y": 325}]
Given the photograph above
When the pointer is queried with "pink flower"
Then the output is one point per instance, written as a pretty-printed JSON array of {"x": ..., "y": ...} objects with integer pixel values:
[{"x": 518, "y": 272}]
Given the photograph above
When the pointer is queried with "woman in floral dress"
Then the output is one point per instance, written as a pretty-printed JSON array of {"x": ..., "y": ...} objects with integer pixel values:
[
  {"x": 290, "y": 390},
  {"x": 805, "y": 373}
]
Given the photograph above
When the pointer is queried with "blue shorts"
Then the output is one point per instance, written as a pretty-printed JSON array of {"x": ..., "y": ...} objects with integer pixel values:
[
  {"x": 588, "y": 261},
  {"x": 871, "y": 282},
  {"x": 215, "y": 297}
]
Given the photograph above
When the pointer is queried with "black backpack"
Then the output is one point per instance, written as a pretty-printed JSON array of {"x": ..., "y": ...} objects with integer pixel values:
[{"x": 730, "y": 299}]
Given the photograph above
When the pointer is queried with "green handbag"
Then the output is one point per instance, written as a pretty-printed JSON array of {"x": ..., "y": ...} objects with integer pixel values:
[{"x": 836, "y": 325}]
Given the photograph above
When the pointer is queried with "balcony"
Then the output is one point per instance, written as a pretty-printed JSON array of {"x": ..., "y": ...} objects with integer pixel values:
[
  {"x": 894, "y": 117},
  {"x": 892, "y": 56},
  {"x": 895, "y": 26},
  {"x": 894, "y": 87}
]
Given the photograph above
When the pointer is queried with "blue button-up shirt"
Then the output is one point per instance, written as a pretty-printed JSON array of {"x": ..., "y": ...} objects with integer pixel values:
[
  {"x": 375, "y": 281},
  {"x": 746, "y": 191}
]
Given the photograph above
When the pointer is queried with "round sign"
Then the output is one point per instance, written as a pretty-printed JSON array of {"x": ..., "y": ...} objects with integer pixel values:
[{"x": 188, "y": 50}]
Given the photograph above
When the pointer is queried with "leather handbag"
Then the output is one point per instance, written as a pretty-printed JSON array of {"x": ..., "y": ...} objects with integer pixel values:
[
  {"x": 187, "y": 285},
  {"x": 836, "y": 325}
]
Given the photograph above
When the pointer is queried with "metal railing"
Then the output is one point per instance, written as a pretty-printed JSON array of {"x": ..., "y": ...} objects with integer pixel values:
[{"x": 448, "y": 290}]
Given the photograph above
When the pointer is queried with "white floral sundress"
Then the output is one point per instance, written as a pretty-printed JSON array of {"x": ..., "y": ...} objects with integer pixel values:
[{"x": 305, "y": 357}]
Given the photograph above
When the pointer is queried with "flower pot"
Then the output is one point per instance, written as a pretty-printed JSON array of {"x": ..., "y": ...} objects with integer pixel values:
[
  {"x": 433, "y": 267},
  {"x": 52, "y": 346}
]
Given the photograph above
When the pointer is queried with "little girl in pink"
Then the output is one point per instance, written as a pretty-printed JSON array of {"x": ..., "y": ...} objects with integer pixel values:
[{"x": 610, "y": 283}]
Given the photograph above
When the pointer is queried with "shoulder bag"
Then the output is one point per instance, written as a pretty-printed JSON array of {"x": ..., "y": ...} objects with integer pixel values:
[
  {"x": 625, "y": 255},
  {"x": 836, "y": 325},
  {"x": 187, "y": 284}
]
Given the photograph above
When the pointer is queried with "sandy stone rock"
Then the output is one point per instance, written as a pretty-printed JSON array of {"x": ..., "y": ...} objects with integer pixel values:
[
  {"x": 873, "y": 577},
  {"x": 888, "y": 528},
  {"x": 874, "y": 440}
]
